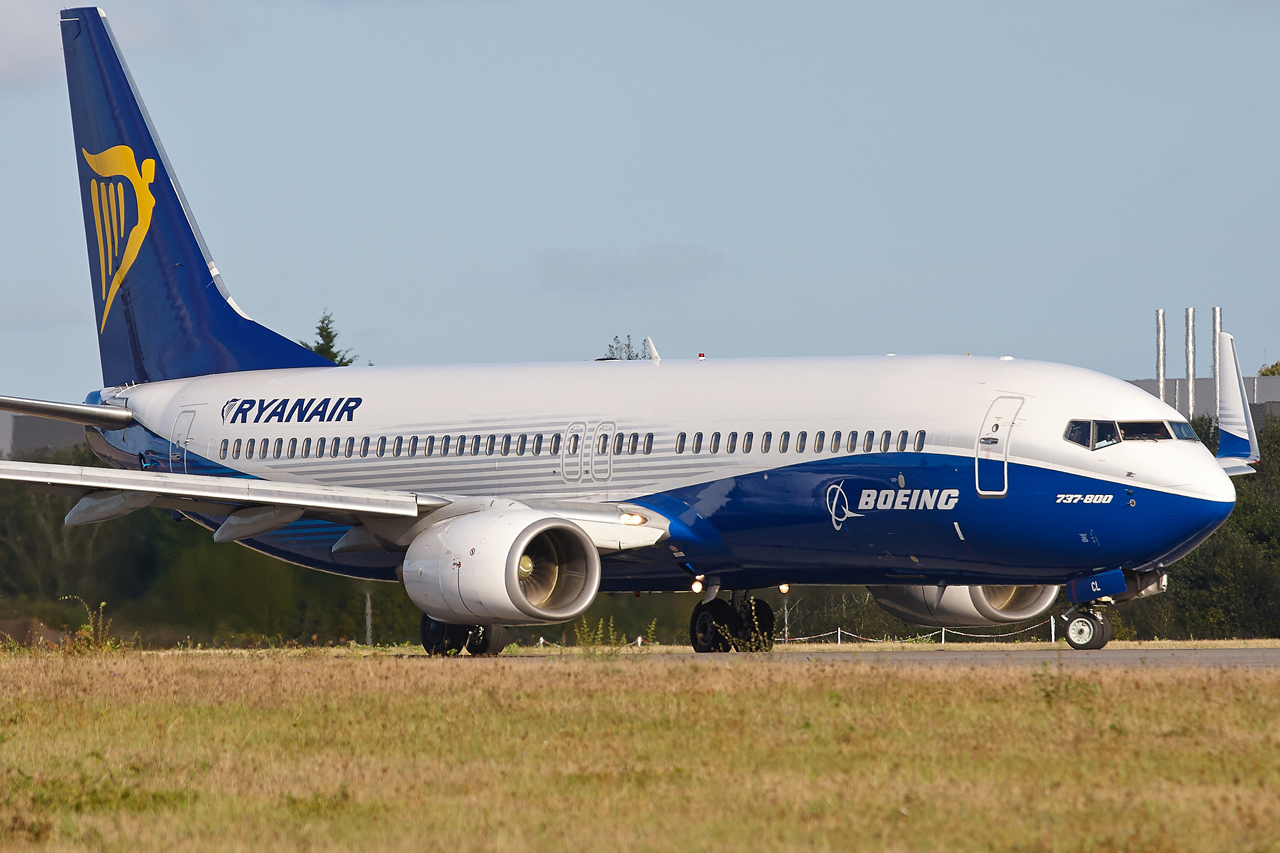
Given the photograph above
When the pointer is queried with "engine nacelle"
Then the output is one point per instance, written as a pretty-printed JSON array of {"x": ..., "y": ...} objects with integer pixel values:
[
  {"x": 503, "y": 567},
  {"x": 965, "y": 606}
]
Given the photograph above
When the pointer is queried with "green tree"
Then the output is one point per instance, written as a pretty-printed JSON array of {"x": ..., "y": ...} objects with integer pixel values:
[
  {"x": 621, "y": 350},
  {"x": 326, "y": 343},
  {"x": 1270, "y": 369}
]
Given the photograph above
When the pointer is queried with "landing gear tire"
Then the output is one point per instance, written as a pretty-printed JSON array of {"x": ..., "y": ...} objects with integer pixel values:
[
  {"x": 713, "y": 626},
  {"x": 1088, "y": 631},
  {"x": 756, "y": 633},
  {"x": 440, "y": 638},
  {"x": 487, "y": 640}
]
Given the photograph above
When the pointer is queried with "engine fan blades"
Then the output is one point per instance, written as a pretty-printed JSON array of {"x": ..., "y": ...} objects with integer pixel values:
[{"x": 539, "y": 570}]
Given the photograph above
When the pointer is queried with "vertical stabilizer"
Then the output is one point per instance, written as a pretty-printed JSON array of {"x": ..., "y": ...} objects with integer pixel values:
[
  {"x": 162, "y": 310},
  {"x": 1237, "y": 439}
]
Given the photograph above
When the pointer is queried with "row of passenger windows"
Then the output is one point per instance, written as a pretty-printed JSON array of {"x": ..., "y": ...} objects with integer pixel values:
[
  {"x": 840, "y": 442},
  {"x": 447, "y": 445}
]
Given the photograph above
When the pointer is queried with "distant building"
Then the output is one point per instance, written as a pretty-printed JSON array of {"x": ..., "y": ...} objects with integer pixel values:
[
  {"x": 23, "y": 434},
  {"x": 1263, "y": 393}
]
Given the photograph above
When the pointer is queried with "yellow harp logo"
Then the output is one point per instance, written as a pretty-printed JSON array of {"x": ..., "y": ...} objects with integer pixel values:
[{"x": 116, "y": 252}]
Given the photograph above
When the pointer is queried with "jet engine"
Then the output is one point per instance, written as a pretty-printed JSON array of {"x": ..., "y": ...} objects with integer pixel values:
[
  {"x": 965, "y": 606},
  {"x": 505, "y": 567}
]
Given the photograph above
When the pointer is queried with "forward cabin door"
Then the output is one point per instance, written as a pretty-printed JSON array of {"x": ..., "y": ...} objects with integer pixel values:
[
  {"x": 181, "y": 438},
  {"x": 992, "y": 463}
]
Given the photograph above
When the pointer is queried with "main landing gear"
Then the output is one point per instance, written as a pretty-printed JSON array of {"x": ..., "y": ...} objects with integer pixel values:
[
  {"x": 743, "y": 624},
  {"x": 439, "y": 638},
  {"x": 1088, "y": 629}
]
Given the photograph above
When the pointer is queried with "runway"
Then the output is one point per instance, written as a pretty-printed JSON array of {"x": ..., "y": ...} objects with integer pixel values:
[{"x": 1253, "y": 658}]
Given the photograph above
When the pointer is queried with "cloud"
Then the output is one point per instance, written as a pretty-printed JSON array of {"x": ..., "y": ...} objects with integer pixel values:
[
  {"x": 658, "y": 265},
  {"x": 31, "y": 42}
]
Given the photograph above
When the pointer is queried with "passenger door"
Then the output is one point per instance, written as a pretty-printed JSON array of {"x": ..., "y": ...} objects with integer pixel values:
[
  {"x": 181, "y": 438},
  {"x": 571, "y": 452},
  {"x": 602, "y": 452},
  {"x": 991, "y": 465}
]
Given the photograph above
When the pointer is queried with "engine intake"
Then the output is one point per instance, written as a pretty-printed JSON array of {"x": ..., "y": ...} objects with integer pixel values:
[
  {"x": 507, "y": 567},
  {"x": 965, "y": 606}
]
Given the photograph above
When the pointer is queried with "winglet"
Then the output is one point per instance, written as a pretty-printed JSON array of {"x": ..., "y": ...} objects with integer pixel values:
[
  {"x": 653, "y": 351},
  {"x": 1237, "y": 438}
]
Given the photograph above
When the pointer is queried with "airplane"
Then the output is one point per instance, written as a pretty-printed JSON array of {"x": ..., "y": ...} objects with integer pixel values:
[{"x": 961, "y": 491}]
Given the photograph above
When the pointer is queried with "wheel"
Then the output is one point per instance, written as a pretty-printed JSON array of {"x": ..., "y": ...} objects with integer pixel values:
[
  {"x": 756, "y": 633},
  {"x": 487, "y": 640},
  {"x": 1086, "y": 631},
  {"x": 713, "y": 625},
  {"x": 1106, "y": 629},
  {"x": 440, "y": 638}
]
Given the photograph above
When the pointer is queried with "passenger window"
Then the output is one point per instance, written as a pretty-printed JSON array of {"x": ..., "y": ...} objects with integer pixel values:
[
  {"x": 680, "y": 443},
  {"x": 489, "y": 445},
  {"x": 634, "y": 444},
  {"x": 835, "y": 441},
  {"x": 818, "y": 439},
  {"x": 602, "y": 446},
  {"x": 1105, "y": 434},
  {"x": 869, "y": 442},
  {"x": 618, "y": 441},
  {"x": 398, "y": 446},
  {"x": 715, "y": 442},
  {"x": 306, "y": 448},
  {"x": 506, "y": 445},
  {"x": 697, "y": 442},
  {"x": 320, "y": 445},
  {"x": 800, "y": 439},
  {"x": 919, "y": 441},
  {"x": 248, "y": 448},
  {"x": 782, "y": 442},
  {"x": 572, "y": 449},
  {"x": 293, "y": 447},
  {"x": 537, "y": 445},
  {"x": 1184, "y": 431},
  {"x": 902, "y": 441},
  {"x": 886, "y": 439},
  {"x": 648, "y": 443},
  {"x": 732, "y": 444},
  {"x": 746, "y": 442},
  {"x": 444, "y": 445},
  {"x": 413, "y": 445},
  {"x": 1144, "y": 431},
  {"x": 853, "y": 440},
  {"x": 1079, "y": 432},
  {"x": 364, "y": 446},
  {"x": 222, "y": 451},
  {"x": 333, "y": 451},
  {"x": 351, "y": 447},
  {"x": 382, "y": 445},
  {"x": 520, "y": 444},
  {"x": 475, "y": 445},
  {"x": 555, "y": 444},
  {"x": 235, "y": 450},
  {"x": 765, "y": 441},
  {"x": 262, "y": 448}
]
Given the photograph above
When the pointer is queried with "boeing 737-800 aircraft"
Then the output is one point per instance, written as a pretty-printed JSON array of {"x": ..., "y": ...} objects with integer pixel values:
[{"x": 962, "y": 491}]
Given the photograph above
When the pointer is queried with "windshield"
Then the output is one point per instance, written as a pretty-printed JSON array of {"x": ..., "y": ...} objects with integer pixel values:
[{"x": 1144, "y": 431}]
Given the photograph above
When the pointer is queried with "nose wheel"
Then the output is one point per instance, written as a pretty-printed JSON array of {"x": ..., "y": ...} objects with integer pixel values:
[{"x": 1088, "y": 631}]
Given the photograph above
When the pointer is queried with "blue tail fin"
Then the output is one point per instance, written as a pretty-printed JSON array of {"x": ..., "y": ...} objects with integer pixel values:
[{"x": 162, "y": 310}]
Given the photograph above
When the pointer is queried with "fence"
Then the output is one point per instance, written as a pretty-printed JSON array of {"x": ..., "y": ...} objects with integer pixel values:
[{"x": 841, "y": 633}]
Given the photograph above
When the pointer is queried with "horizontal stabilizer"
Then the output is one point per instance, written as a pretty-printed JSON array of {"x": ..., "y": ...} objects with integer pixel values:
[
  {"x": 1237, "y": 438},
  {"x": 106, "y": 417}
]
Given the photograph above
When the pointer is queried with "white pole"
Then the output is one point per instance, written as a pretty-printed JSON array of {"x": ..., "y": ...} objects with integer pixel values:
[
  {"x": 368, "y": 619},
  {"x": 837, "y": 635},
  {"x": 1053, "y": 624},
  {"x": 1217, "y": 380},
  {"x": 1160, "y": 353},
  {"x": 1191, "y": 363},
  {"x": 944, "y": 636}
]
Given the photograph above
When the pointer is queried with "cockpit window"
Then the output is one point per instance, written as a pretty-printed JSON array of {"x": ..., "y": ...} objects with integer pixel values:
[
  {"x": 1184, "y": 431},
  {"x": 1079, "y": 432},
  {"x": 1144, "y": 431},
  {"x": 1105, "y": 434}
]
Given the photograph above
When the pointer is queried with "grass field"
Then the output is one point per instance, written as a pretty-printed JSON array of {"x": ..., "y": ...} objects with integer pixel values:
[{"x": 322, "y": 749}]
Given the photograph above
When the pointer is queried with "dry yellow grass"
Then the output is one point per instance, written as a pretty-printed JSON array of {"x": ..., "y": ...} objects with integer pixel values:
[{"x": 320, "y": 750}]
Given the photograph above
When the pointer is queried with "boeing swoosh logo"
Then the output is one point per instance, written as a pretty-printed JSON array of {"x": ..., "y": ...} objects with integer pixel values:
[{"x": 838, "y": 505}]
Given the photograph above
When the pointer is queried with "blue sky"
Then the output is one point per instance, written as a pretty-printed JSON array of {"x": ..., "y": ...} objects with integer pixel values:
[{"x": 502, "y": 181}]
